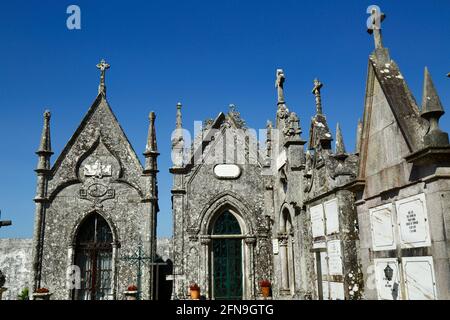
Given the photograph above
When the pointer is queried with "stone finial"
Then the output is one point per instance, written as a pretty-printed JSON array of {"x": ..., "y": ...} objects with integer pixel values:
[
  {"x": 45, "y": 145},
  {"x": 316, "y": 91},
  {"x": 358, "y": 137},
  {"x": 340, "y": 147},
  {"x": 179, "y": 124},
  {"x": 151, "y": 140},
  {"x": 279, "y": 85},
  {"x": 269, "y": 128},
  {"x": 102, "y": 66},
  {"x": 432, "y": 110},
  {"x": 374, "y": 24}
]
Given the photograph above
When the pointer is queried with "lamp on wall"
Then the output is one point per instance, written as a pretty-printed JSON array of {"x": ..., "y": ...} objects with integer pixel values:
[{"x": 388, "y": 272}]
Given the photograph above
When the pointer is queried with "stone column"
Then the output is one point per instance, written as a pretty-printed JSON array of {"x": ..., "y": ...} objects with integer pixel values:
[
  {"x": 250, "y": 292},
  {"x": 283, "y": 241},
  {"x": 205, "y": 241}
]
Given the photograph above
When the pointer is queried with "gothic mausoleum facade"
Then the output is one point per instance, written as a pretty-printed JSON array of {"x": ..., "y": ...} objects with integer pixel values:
[
  {"x": 94, "y": 207},
  {"x": 285, "y": 206}
]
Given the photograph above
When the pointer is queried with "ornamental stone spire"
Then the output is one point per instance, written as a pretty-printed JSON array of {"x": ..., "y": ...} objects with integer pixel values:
[
  {"x": 432, "y": 110},
  {"x": 316, "y": 91}
]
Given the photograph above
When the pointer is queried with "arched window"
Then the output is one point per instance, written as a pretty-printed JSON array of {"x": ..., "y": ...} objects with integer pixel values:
[
  {"x": 227, "y": 257},
  {"x": 94, "y": 257}
]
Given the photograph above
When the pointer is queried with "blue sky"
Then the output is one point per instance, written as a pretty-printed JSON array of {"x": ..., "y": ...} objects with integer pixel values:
[{"x": 206, "y": 54}]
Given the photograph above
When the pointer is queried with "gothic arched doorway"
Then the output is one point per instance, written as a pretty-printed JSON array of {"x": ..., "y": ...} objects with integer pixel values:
[
  {"x": 93, "y": 256},
  {"x": 227, "y": 258}
]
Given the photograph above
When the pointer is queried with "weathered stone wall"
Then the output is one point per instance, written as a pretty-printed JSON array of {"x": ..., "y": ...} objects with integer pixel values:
[{"x": 15, "y": 263}]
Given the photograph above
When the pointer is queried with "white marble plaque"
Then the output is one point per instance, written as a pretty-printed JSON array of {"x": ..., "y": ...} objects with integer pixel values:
[
  {"x": 420, "y": 283},
  {"x": 281, "y": 159},
  {"x": 332, "y": 216},
  {"x": 325, "y": 290},
  {"x": 413, "y": 222},
  {"x": 227, "y": 171},
  {"x": 334, "y": 257},
  {"x": 382, "y": 227},
  {"x": 324, "y": 264},
  {"x": 320, "y": 245},
  {"x": 317, "y": 223},
  {"x": 387, "y": 289},
  {"x": 337, "y": 291},
  {"x": 275, "y": 245}
]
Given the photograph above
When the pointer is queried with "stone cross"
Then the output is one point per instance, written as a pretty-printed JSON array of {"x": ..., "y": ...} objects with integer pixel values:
[
  {"x": 374, "y": 25},
  {"x": 102, "y": 66},
  {"x": 279, "y": 84},
  {"x": 316, "y": 91}
]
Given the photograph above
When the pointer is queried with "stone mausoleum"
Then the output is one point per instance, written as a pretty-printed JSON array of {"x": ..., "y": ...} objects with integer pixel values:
[{"x": 314, "y": 220}]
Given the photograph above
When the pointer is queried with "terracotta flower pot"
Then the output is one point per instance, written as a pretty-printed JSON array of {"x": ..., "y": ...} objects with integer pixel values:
[
  {"x": 130, "y": 295},
  {"x": 42, "y": 296},
  {"x": 265, "y": 292},
  {"x": 195, "y": 294}
]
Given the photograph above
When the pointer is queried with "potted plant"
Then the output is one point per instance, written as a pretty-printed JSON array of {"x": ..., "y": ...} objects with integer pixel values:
[
  {"x": 131, "y": 292},
  {"x": 24, "y": 295},
  {"x": 195, "y": 291},
  {"x": 265, "y": 288},
  {"x": 42, "y": 294}
]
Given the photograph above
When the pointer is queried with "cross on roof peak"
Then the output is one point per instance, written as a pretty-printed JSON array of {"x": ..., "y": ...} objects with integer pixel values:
[
  {"x": 374, "y": 24},
  {"x": 102, "y": 66}
]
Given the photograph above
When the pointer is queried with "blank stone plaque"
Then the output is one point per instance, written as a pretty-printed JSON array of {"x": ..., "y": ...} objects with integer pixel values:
[
  {"x": 387, "y": 289},
  {"x": 332, "y": 216},
  {"x": 413, "y": 222},
  {"x": 317, "y": 224},
  {"x": 420, "y": 283},
  {"x": 382, "y": 227},
  {"x": 334, "y": 257}
]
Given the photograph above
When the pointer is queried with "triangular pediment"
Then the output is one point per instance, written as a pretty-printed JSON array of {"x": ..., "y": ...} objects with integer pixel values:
[
  {"x": 98, "y": 143},
  {"x": 226, "y": 140}
]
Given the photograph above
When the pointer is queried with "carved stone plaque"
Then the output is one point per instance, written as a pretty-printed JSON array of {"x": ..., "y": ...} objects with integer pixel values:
[
  {"x": 317, "y": 223},
  {"x": 387, "y": 279},
  {"x": 420, "y": 283},
  {"x": 382, "y": 227},
  {"x": 334, "y": 257},
  {"x": 332, "y": 216},
  {"x": 413, "y": 222},
  {"x": 275, "y": 246},
  {"x": 98, "y": 170}
]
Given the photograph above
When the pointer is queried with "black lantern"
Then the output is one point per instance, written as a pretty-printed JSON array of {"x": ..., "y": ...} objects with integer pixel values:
[{"x": 388, "y": 272}]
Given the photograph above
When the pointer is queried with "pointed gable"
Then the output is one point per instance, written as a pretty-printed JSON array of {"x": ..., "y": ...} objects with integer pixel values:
[
  {"x": 392, "y": 128},
  {"x": 99, "y": 129}
]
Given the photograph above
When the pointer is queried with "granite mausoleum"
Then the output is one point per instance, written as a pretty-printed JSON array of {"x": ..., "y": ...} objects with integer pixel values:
[{"x": 306, "y": 215}]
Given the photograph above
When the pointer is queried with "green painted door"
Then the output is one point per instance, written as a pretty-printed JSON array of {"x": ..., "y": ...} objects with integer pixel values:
[
  {"x": 227, "y": 269},
  {"x": 227, "y": 259}
]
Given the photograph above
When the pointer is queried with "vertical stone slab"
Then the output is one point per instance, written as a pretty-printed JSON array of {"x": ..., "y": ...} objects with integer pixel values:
[
  {"x": 317, "y": 221},
  {"x": 332, "y": 216},
  {"x": 420, "y": 283},
  {"x": 382, "y": 228},
  {"x": 387, "y": 277},
  {"x": 413, "y": 222}
]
